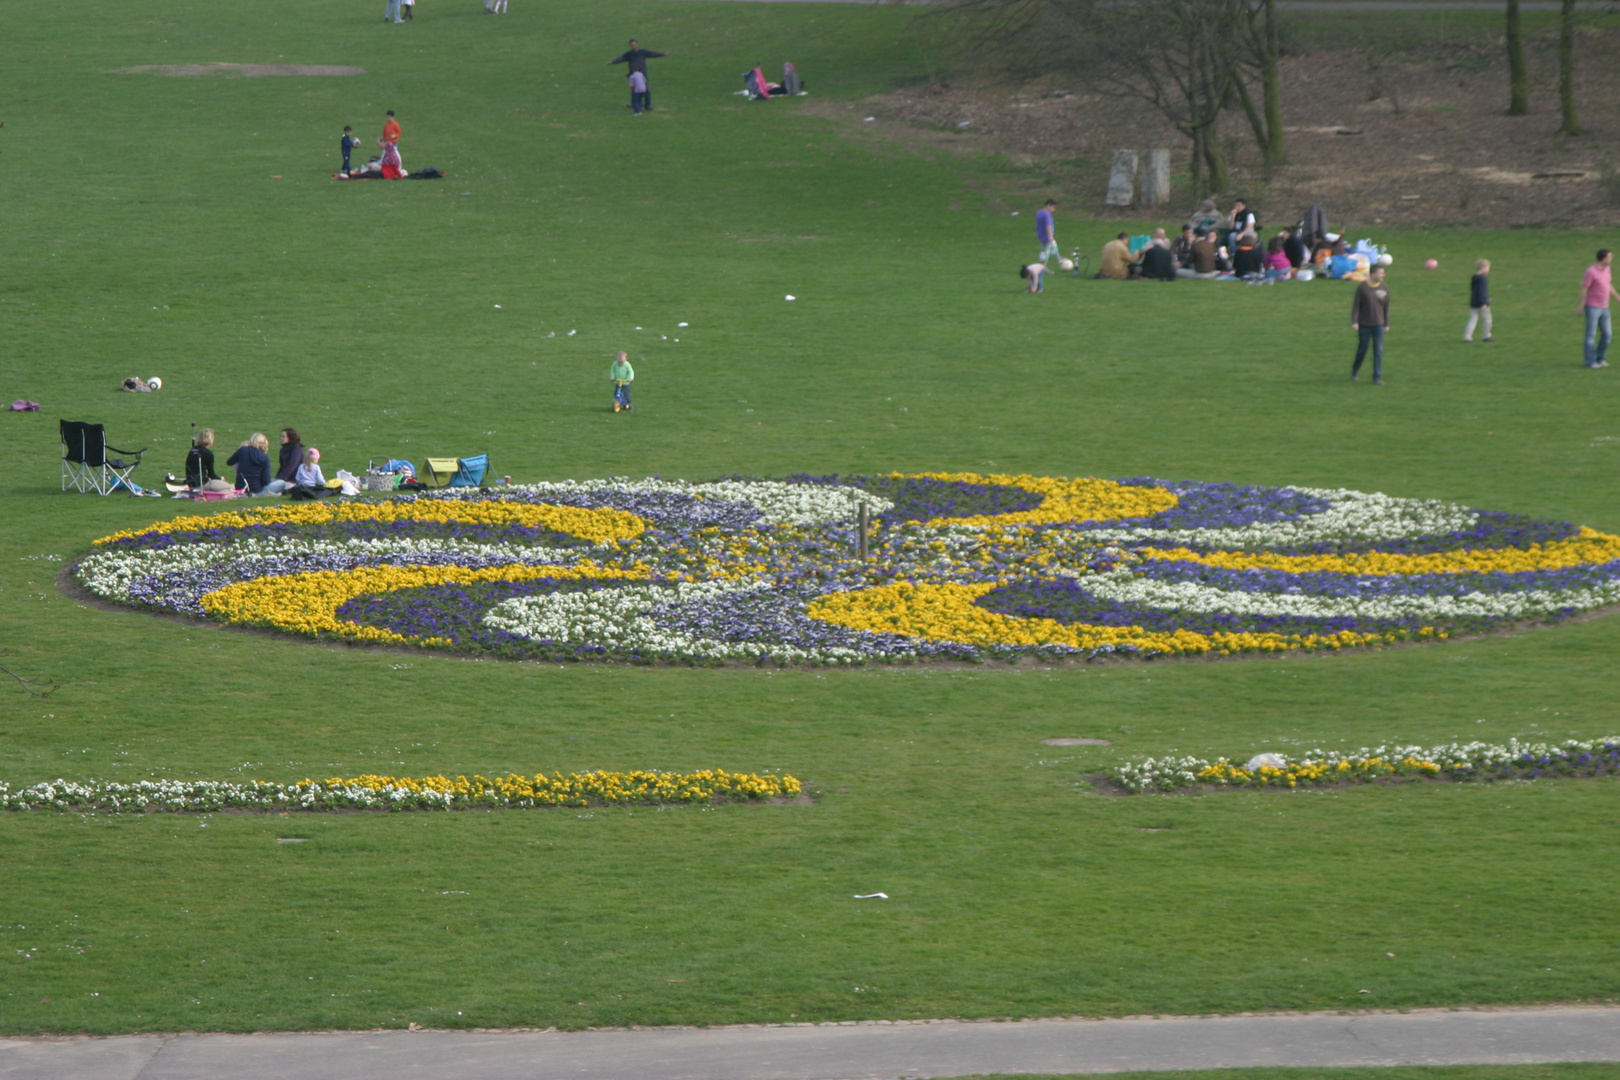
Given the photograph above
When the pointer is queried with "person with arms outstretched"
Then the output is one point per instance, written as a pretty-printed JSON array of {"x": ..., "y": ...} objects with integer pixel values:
[{"x": 637, "y": 58}]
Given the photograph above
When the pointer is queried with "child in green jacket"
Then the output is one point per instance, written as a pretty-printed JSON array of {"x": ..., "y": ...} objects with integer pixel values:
[{"x": 622, "y": 375}]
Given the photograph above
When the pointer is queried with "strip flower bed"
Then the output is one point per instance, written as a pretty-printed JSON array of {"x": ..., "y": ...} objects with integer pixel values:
[
  {"x": 512, "y": 791},
  {"x": 963, "y": 567},
  {"x": 1315, "y": 768}
]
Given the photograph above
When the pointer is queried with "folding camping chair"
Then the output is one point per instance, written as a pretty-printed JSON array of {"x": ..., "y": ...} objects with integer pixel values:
[
  {"x": 454, "y": 472},
  {"x": 85, "y": 464}
]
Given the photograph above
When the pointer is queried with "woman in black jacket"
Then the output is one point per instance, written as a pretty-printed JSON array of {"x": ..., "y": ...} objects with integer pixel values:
[
  {"x": 292, "y": 456},
  {"x": 200, "y": 474}
]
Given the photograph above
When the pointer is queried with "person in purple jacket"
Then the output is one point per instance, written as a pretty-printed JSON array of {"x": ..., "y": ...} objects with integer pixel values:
[{"x": 1046, "y": 231}]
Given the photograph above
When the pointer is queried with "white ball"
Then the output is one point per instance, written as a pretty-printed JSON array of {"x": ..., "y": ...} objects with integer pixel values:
[
  {"x": 1066, "y": 265},
  {"x": 155, "y": 383},
  {"x": 1385, "y": 260},
  {"x": 789, "y": 296}
]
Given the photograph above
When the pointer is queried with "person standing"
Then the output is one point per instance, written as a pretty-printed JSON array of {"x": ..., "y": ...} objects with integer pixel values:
[
  {"x": 392, "y": 14},
  {"x": 1479, "y": 301},
  {"x": 637, "y": 58},
  {"x": 390, "y": 135},
  {"x": 622, "y": 375},
  {"x": 1596, "y": 288},
  {"x": 1046, "y": 231},
  {"x": 1369, "y": 316}
]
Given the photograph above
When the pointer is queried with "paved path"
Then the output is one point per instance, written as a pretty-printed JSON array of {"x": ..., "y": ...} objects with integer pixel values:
[{"x": 839, "y": 1052}]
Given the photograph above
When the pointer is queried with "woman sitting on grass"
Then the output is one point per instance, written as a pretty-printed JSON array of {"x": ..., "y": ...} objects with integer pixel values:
[
  {"x": 252, "y": 461},
  {"x": 200, "y": 474},
  {"x": 292, "y": 456}
]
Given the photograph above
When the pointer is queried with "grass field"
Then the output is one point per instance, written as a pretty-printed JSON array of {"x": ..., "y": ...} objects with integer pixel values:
[{"x": 144, "y": 235}]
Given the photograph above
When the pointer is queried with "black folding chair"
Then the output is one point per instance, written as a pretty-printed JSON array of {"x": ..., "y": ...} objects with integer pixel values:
[{"x": 85, "y": 464}]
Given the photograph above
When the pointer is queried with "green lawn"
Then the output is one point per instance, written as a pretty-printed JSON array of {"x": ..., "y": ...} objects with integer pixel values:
[{"x": 144, "y": 235}]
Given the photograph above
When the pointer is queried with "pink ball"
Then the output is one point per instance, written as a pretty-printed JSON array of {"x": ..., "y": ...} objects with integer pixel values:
[{"x": 1433, "y": 264}]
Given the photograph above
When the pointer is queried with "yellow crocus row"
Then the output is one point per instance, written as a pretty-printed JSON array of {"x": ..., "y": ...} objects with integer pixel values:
[
  {"x": 1590, "y": 547},
  {"x": 576, "y": 789},
  {"x": 307, "y": 603},
  {"x": 588, "y": 524},
  {"x": 948, "y": 612},
  {"x": 1293, "y": 774},
  {"x": 1082, "y": 499}
]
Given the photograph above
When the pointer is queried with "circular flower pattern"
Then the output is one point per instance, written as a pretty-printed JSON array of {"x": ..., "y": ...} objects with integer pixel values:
[{"x": 962, "y": 566}]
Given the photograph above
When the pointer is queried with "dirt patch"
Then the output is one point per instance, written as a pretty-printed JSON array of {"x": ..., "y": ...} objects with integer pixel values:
[
  {"x": 240, "y": 71},
  {"x": 1376, "y": 138}
]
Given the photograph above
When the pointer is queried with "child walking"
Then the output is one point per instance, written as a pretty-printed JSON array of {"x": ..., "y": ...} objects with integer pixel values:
[
  {"x": 1479, "y": 301},
  {"x": 349, "y": 143},
  {"x": 622, "y": 375}
]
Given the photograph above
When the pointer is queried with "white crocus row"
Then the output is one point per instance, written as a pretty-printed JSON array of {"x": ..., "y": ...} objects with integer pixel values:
[
  {"x": 777, "y": 502},
  {"x": 111, "y": 573},
  {"x": 1355, "y": 517},
  {"x": 195, "y": 795},
  {"x": 1459, "y": 760},
  {"x": 1191, "y": 596},
  {"x": 618, "y": 620}
]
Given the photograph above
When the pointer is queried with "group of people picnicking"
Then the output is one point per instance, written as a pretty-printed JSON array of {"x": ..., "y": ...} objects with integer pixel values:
[
  {"x": 298, "y": 471},
  {"x": 387, "y": 165}
]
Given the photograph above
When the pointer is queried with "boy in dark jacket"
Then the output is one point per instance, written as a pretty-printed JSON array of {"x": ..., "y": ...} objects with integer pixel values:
[{"x": 1479, "y": 301}]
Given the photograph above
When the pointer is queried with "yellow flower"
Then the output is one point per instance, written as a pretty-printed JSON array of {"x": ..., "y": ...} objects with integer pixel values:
[
  {"x": 307, "y": 603},
  {"x": 1083, "y": 499}
]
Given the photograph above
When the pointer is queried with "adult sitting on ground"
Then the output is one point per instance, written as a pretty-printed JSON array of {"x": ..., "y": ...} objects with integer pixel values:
[
  {"x": 1158, "y": 264},
  {"x": 385, "y": 167},
  {"x": 252, "y": 461},
  {"x": 292, "y": 456},
  {"x": 1206, "y": 217},
  {"x": 1181, "y": 248},
  {"x": 1203, "y": 256},
  {"x": 1247, "y": 258},
  {"x": 1293, "y": 247},
  {"x": 200, "y": 474},
  {"x": 1117, "y": 259}
]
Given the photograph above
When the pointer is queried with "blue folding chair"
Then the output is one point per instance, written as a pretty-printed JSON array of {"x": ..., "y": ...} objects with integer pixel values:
[{"x": 470, "y": 471}]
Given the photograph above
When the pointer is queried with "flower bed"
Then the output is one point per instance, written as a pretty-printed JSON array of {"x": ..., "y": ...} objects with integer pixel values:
[
  {"x": 1452, "y": 761},
  {"x": 404, "y": 793},
  {"x": 963, "y": 567}
]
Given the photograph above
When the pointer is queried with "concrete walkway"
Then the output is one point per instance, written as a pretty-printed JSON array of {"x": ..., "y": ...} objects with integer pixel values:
[{"x": 840, "y": 1052}]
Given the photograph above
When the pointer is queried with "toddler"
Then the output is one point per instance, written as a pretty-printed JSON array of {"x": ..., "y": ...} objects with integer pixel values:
[
  {"x": 622, "y": 375},
  {"x": 1036, "y": 273},
  {"x": 1479, "y": 301},
  {"x": 349, "y": 143}
]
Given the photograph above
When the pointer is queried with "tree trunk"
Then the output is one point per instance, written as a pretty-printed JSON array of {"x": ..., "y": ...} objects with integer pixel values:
[
  {"x": 1566, "y": 70},
  {"x": 1220, "y": 177},
  {"x": 1200, "y": 189},
  {"x": 1518, "y": 79},
  {"x": 1271, "y": 89}
]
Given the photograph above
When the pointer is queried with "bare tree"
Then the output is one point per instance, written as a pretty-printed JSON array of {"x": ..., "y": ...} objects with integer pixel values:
[
  {"x": 1518, "y": 79},
  {"x": 1186, "y": 58},
  {"x": 1264, "y": 47}
]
